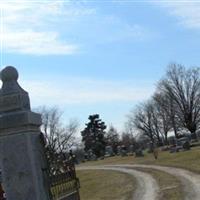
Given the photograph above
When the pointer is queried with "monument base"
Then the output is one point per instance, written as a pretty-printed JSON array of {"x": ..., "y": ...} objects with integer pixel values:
[{"x": 24, "y": 172}]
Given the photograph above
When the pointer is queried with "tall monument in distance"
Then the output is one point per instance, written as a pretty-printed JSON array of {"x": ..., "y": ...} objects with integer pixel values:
[{"x": 21, "y": 152}]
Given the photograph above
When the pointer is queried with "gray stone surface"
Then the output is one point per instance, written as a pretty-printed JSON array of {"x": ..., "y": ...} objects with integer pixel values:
[
  {"x": 22, "y": 160},
  {"x": 15, "y": 121},
  {"x": 23, "y": 167},
  {"x": 12, "y": 96}
]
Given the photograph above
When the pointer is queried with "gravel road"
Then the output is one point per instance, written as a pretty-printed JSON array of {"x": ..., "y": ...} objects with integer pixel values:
[
  {"x": 147, "y": 187},
  {"x": 189, "y": 180}
]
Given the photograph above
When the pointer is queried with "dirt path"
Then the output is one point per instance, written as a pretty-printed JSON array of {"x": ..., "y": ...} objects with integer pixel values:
[
  {"x": 147, "y": 188},
  {"x": 189, "y": 180}
]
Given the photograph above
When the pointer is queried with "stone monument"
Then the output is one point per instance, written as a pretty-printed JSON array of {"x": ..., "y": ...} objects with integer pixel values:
[{"x": 21, "y": 152}]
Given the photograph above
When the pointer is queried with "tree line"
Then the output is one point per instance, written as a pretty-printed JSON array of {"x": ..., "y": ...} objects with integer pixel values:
[
  {"x": 96, "y": 138},
  {"x": 60, "y": 138},
  {"x": 174, "y": 107}
]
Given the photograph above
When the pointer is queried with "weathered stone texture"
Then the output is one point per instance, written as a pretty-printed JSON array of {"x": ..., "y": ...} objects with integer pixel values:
[{"x": 22, "y": 159}]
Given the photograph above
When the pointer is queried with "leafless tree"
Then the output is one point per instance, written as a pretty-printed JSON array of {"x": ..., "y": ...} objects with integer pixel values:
[
  {"x": 60, "y": 138},
  {"x": 164, "y": 115},
  {"x": 141, "y": 119},
  {"x": 112, "y": 138},
  {"x": 127, "y": 139},
  {"x": 149, "y": 119},
  {"x": 182, "y": 87}
]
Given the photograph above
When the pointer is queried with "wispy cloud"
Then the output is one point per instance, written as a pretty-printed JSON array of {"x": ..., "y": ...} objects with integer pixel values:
[
  {"x": 187, "y": 12},
  {"x": 82, "y": 91},
  {"x": 33, "y": 27},
  {"x": 37, "y": 43},
  {"x": 62, "y": 27}
]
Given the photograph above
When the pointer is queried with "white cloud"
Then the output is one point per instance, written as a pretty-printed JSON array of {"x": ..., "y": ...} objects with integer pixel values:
[
  {"x": 61, "y": 27},
  {"x": 80, "y": 91},
  {"x": 30, "y": 27},
  {"x": 38, "y": 43},
  {"x": 187, "y": 12}
]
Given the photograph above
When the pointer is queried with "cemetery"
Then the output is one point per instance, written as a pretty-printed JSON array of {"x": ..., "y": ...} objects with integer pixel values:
[
  {"x": 30, "y": 170},
  {"x": 100, "y": 101},
  {"x": 52, "y": 175},
  {"x": 41, "y": 173}
]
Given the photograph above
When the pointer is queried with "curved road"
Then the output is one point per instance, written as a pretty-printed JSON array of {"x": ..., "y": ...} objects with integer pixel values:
[
  {"x": 189, "y": 180},
  {"x": 147, "y": 187}
]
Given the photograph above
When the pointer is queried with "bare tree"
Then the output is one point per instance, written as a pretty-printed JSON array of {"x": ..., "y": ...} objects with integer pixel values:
[
  {"x": 163, "y": 114},
  {"x": 127, "y": 139},
  {"x": 182, "y": 87},
  {"x": 112, "y": 138},
  {"x": 141, "y": 120},
  {"x": 60, "y": 138},
  {"x": 149, "y": 119}
]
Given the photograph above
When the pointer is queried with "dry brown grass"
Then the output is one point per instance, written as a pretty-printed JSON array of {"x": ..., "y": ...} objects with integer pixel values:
[
  {"x": 188, "y": 160},
  {"x": 170, "y": 186},
  {"x": 105, "y": 185}
]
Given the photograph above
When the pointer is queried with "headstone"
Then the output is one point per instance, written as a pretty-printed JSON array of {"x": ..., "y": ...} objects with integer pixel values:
[
  {"x": 123, "y": 151},
  {"x": 108, "y": 151},
  {"x": 21, "y": 152},
  {"x": 91, "y": 155},
  {"x": 131, "y": 150},
  {"x": 118, "y": 150},
  {"x": 139, "y": 153},
  {"x": 186, "y": 145}
]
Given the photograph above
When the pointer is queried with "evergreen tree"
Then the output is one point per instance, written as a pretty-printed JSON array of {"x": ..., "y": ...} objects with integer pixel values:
[{"x": 93, "y": 135}]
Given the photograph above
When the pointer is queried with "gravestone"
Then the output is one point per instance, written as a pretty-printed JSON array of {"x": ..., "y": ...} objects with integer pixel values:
[
  {"x": 139, "y": 153},
  {"x": 91, "y": 155},
  {"x": 21, "y": 152},
  {"x": 108, "y": 151},
  {"x": 123, "y": 151},
  {"x": 119, "y": 150}
]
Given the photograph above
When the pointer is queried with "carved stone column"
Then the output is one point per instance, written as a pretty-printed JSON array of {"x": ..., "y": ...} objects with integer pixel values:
[{"x": 21, "y": 152}]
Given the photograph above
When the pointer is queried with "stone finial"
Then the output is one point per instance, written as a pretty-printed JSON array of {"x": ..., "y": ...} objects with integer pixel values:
[
  {"x": 9, "y": 74},
  {"x": 12, "y": 96}
]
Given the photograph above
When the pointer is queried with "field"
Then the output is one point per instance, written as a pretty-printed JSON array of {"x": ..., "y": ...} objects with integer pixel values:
[
  {"x": 105, "y": 185},
  {"x": 186, "y": 159},
  {"x": 101, "y": 183}
]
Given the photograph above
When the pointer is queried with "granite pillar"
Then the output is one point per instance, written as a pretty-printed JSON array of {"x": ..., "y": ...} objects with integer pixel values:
[{"x": 22, "y": 159}]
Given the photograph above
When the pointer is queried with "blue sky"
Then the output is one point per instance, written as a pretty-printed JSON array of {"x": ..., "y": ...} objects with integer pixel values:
[{"x": 101, "y": 57}]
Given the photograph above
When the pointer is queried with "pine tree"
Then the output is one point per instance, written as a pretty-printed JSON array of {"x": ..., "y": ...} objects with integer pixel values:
[{"x": 93, "y": 135}]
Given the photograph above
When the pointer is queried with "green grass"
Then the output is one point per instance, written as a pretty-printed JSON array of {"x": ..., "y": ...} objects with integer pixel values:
[
  {"x": 188, "y": 160},
  {"x": 105, "y": 185}
]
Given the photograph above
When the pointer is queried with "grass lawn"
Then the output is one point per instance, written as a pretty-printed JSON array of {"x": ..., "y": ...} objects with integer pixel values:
[
  {"x": 97, "y": 185},
  {"x": 188, "y": 160},
  {"x": 105, "y": 185}
]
